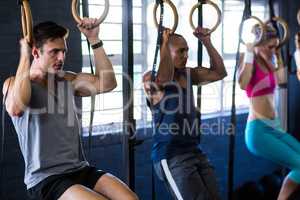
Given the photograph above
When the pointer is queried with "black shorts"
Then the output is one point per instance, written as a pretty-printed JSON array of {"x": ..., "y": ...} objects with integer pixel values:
[{"x": 54, "y": 186}]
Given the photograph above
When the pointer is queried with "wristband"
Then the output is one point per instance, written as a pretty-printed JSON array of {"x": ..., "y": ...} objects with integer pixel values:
[
  {"x": 249, "y": 57},
  {"x": 97, "y": 45}
]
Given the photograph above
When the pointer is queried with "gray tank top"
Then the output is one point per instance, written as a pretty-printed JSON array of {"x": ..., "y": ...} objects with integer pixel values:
[{"x": 49, "y": 133}]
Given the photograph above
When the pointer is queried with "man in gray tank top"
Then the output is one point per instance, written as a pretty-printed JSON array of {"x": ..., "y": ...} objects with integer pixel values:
[{"x": 40, "y": 101}]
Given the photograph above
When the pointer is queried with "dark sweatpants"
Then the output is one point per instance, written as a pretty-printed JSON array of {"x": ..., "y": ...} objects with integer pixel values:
[{"x": 188, "y": 176}]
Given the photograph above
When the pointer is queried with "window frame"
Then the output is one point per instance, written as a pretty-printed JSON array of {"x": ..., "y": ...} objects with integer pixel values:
[{"x": 142, "y": 60}]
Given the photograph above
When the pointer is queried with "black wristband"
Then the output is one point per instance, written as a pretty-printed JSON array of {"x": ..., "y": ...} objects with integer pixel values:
[{"x": 97, "y": 45}]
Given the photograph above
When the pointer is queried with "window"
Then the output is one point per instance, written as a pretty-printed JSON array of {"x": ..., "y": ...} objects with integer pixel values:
[
  {"x": 216, "y": 97},
  {"x": 109, "y": 106}
]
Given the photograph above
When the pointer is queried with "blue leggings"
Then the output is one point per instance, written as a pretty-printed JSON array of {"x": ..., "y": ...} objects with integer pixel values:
[{"x": 267, "y": 139}]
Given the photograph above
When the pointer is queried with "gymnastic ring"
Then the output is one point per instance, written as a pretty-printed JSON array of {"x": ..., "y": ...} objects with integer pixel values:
[
  {"x": 285, "y": 27},
  {"x": 262, "y": 26},
  {"x": 298, "y": 16},
  {"x": 26, "y": 21},
  {"x": 79, "y": 20},
  {"x": 175, "y": 13},
  {"x": 213, "y": 5}
]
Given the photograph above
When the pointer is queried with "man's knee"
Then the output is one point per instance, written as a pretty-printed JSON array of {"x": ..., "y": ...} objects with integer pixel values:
[
  {"x": 78, "y": 191},
  {"x": 114, "y": 188}
]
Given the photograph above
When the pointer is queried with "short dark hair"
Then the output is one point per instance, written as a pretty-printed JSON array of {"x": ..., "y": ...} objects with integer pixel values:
[
  {"x": 173, "y": 37},
  {"x": 48, "y": 30}
]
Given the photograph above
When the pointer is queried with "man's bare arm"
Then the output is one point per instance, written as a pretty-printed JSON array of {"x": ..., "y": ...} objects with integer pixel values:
[
  {"x": 104, "y": 80},
  {"x": 18, "y": 88},
  {"x": 217, "y": 69},
  {"x": 165, "y": 71}
]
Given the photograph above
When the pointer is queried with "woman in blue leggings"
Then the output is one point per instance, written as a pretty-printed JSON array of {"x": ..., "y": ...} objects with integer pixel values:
[{"x": 258, "y": 76}]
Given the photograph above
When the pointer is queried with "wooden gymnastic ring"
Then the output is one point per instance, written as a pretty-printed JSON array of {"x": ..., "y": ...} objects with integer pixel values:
[
  {"x": 209, "y": 3},
  {"x": 175, "y": 14},
  {"x": 262, "y": 26},
  {"x": 79, "y": 20},
  {"x": 285, "y": 27},
  {"x": 26, "y": 18}
]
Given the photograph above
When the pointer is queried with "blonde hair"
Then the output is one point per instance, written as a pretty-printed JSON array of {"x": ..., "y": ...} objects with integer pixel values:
[{"x": 269, "y": 33}]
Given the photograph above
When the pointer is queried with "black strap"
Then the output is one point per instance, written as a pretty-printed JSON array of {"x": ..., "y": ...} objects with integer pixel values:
[
  {"x": 199, "y": 61},
  {"x": 85, "y": 12},
  {"x": 272, "y": 14},
  {"x": 19, "y": 2},
  {"x": 274, "y": 24},
  {"x": 158, "y": 44},
  {"x": 271, "y": 7},
  {"x": 283, "y": 171},
  {"x": 199, "y": 88},
  {"x": 153, "y": 77},
  {"x": 93, "y": 100},
  {"x": 230, "y": 181},
  {"x": 247, "y": 10},
  {"x": 158, "y": 41}
]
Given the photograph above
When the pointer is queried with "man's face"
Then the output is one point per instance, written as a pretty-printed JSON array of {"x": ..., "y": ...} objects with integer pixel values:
[
  {"x": 179, "y": 52},
  {"x": 51, "y": 55}
]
